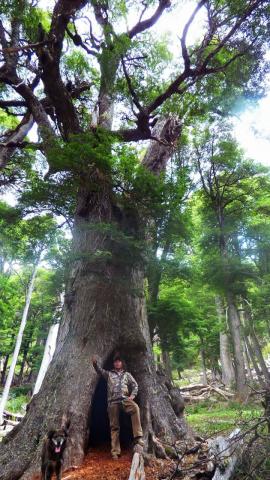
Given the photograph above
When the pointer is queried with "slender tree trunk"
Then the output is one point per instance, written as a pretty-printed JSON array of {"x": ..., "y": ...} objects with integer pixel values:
[
  {"x": 227, "y": 369},
  {"x": 254, "y": 360},
  {"x": 239, "y": 362},
  {"x": 203, "y": 366},
  {"x": 256, "y": 347},
  {"x": 228, "y": 376},
  {"x": 47, "y": 356},
  {"x": 247, "y": 362},
  {"x": 18, "y": 342},
  {"x": 166, "y": 361},
  {"x": 3, "y": 373},
  {"x": 25, "y": 352}
]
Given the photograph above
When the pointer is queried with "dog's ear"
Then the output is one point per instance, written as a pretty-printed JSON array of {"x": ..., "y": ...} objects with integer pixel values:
[{"x": 50, "y": 434}]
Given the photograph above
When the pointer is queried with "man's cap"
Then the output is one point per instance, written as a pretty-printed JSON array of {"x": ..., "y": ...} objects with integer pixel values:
[{"x": 117, "y": 356}]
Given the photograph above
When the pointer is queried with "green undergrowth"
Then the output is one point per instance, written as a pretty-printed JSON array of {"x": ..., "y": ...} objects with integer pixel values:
[
  {"x": 17, "y": 399},
  {"x": 17, "y": 404},
  {"x": 209, "y": 418}
]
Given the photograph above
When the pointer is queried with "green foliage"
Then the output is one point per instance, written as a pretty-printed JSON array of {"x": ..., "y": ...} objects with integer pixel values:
[
  {"x": 77, "y": 65},
  {"x": 209, "y": 418}
]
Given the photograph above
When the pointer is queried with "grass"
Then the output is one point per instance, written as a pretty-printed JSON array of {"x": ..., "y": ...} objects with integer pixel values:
[
  {"x": 17, "y": 399},
  {"x": 16, "y": 404},
  {"x": 208, "y": 418}
]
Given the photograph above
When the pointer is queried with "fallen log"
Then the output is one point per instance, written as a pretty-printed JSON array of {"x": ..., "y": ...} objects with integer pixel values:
[
  {"x": 200, "y": 393},
  {"x": 137, "y": 467},
  {"x": 226, "y": 452},
  {"x": 193, "y": 387},
  {"x": 223, "y": 393},
  {"x": 195, "y": 398}
]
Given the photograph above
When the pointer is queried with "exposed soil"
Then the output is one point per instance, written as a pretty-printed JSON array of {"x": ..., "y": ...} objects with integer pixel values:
[{"x": 98, "y": 465}]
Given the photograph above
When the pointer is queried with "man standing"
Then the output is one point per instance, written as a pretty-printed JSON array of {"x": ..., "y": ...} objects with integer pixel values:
[{"x": 122, "y": 389}]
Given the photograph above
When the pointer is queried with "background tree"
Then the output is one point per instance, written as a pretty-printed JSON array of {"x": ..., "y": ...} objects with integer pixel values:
[{"x": 229, "y": 184}]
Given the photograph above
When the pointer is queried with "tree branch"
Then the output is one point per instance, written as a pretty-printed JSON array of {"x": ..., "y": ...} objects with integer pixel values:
[
  {"x": 185, "y": 55},
  {"x": 29, "y": 46},
  {"x": 14, "y": 138},
  {"x": 149, "y": 22},
  {"x": 227, "y": 37},
  {"x": 130, "y": 87}
]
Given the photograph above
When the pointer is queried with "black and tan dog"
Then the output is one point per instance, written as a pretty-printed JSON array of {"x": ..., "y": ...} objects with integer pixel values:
[{"x": 52, "y": 454}]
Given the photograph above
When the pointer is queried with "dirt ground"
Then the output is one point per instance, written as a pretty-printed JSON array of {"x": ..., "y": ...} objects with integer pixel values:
[{"x": 98, "y": 465}]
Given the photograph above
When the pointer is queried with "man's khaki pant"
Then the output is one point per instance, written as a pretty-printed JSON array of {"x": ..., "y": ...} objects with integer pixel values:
[{"x": 132, "y": 409}]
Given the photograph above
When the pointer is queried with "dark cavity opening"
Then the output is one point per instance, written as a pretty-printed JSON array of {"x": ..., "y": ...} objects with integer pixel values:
[{"x": 99, "y": 420}]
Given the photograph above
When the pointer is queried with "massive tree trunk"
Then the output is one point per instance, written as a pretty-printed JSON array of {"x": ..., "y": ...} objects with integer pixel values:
[{"x": 104, "y": 310}]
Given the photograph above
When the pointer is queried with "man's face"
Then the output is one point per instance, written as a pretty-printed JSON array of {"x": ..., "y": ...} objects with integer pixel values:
[{"x": 118, "y": 365}]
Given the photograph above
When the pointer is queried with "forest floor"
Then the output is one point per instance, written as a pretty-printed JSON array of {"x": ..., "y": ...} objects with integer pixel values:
[
  {"x": 209, "y": 418},
  {"x": 98, "y": 465}
]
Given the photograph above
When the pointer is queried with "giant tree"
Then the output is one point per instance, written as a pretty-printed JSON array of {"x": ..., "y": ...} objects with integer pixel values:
[{"x": 85, "y": 118}]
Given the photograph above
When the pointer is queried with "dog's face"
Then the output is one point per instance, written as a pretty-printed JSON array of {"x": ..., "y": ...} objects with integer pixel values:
[{"x": 57, "y": 440}]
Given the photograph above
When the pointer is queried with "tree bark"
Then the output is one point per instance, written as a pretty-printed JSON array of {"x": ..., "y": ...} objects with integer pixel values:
[
  {"x": 247, "y": 361},
  {"x": 228, "y": 376},
  {"x": 104, "y": 311},
  {"x": 257, "y": 348},
  {"x": 47, "y": 356},
  {"x": 254, "y": 349},
  {"x": 239, "y": 362},
  {"x": 166, "y": 361},
  {"x": 254, "y": 361},
  {"x": 3, "y": 373},
  {"x": 203, "y": 364},
  {"x": 25, "y": 352}
]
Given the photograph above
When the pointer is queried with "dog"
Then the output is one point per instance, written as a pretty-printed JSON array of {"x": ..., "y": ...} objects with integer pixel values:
[{"x": 52, "y": 454}]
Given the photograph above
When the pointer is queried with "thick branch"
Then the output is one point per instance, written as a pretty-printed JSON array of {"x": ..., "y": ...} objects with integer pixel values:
[
  {"x": 29, "y": 46},
  {"x": 15, "y": 137},
  {"x": 75, "y": 92},
  {"x": 149, "y": 22},
  {"x": 49, "y": 59},
  {"x": 185, "y": 54},
  {"x": 168, "y": 130}
]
